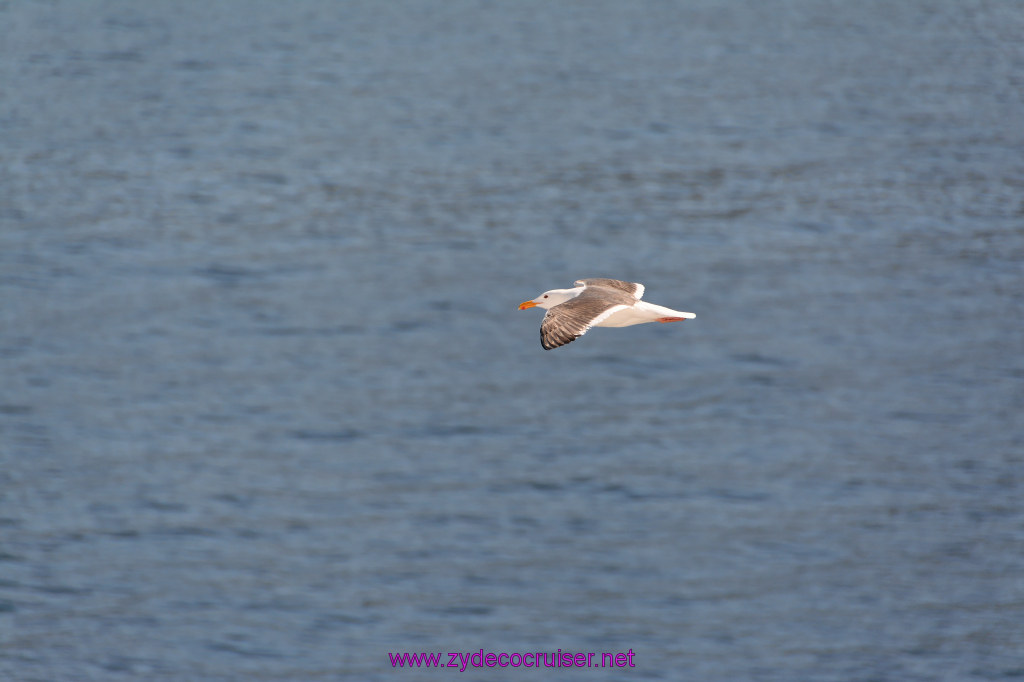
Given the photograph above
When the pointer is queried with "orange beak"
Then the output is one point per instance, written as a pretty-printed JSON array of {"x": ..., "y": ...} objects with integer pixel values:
[{"x": 527, "y": 304}]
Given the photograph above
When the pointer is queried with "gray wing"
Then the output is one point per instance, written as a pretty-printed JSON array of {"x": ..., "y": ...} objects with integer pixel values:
[
  {"x": 634, "y": 288},
  {"x": 568, "y": 321}
]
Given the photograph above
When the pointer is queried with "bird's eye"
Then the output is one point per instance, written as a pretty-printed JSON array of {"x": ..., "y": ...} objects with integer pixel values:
[{"x": 545, "y": 295}]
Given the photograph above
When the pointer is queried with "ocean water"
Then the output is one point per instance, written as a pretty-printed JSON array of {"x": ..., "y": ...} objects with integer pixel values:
[{"x": 268, "y": 410}]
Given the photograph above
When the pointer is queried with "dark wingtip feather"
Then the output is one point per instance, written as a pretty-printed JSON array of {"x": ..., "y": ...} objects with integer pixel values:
[{"x": 553, "y": 341}]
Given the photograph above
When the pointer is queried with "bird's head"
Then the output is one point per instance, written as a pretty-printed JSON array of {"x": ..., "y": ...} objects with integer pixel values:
[{"x": 549, "y": 299}]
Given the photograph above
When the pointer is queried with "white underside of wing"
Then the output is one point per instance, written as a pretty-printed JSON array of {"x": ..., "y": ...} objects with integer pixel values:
[
  {"x": 639, "y": 313},
  {"x": 601, "y": 320}
]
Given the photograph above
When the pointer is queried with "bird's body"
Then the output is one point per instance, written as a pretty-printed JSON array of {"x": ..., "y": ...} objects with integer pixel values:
[{"x": 596, "y": 302}]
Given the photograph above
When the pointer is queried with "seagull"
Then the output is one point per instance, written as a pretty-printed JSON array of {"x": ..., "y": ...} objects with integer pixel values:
[{"x": 595, "y": 302}]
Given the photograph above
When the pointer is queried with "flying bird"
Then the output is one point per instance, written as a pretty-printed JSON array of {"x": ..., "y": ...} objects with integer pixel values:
[{"x": 595, "y": 302}]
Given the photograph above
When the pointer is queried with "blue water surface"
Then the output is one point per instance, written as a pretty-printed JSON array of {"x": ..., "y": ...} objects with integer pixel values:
[{"x": 268, "y": 410}]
